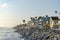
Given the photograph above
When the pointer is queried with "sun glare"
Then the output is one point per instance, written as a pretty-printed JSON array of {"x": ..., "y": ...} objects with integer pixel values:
[{"x": 4, "y": 5}]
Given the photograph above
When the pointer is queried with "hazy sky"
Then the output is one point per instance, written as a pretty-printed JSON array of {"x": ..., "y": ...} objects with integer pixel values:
[{"x": 12, "y": 12}]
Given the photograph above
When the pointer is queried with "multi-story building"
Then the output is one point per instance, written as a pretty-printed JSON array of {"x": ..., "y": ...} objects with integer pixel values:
[
  {"x": 54, "y": 22},
  {"x": 50, "y": 22}
]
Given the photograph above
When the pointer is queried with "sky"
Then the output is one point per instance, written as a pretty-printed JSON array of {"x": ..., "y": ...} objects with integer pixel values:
[{"x": 12, "y": 12}]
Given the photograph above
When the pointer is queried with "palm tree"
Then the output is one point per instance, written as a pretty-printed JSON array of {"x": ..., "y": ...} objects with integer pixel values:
[
  {"x": 59, "y": 13},
  {"x": 35, "y": 17},
  {"x": 56, "y": 12},
  {"x": 46, "y": 15},
  {"x": 39, "y": 18},
  {"x": 31, "y": 18},
  {"x": 23, "y": 21}
]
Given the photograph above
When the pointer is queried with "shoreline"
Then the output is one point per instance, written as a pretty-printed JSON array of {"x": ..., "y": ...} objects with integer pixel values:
[{"x": 36, "y": 33}]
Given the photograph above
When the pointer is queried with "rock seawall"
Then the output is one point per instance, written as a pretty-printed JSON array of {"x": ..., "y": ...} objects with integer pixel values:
[{"x": 36, "y": 33}]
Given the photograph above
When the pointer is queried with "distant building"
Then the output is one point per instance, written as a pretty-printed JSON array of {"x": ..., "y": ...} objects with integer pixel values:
[
  {"x": 50, "y": 22},
  {"x": 30, "y": 23},
  {"x": 45, "y": 21},
  {"x": 54, "y": 21}
]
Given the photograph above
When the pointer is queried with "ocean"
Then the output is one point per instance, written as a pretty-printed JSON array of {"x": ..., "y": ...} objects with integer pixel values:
[{"x": 9, "y": 34}]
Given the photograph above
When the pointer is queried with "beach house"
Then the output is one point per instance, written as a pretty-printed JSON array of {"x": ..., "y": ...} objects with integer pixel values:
[
  {"x": 50, "y": 22},
  {"x": 54, "y": 22}
]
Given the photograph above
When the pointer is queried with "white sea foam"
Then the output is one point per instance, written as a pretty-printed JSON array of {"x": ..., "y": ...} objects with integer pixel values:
[{"x": 9, "y": 34}]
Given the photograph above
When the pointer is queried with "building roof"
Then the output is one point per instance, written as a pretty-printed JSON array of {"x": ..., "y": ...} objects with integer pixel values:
[{"x": 54, "y": 18}]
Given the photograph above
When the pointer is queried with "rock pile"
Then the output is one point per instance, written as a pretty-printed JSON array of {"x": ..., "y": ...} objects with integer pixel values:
[{"x": 36, "y": 33}]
